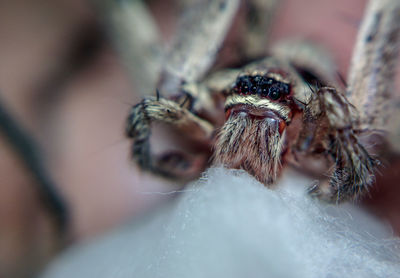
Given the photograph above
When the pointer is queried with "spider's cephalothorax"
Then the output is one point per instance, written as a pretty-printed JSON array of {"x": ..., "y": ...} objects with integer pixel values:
[{"x": 287, "y": 109}]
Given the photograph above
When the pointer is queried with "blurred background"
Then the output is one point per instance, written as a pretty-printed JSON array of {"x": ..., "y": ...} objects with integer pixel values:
[{"x": 65, "y": 82}]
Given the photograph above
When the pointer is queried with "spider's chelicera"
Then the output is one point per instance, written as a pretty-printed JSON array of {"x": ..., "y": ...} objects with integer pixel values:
[{"x": 257, "y": 109}]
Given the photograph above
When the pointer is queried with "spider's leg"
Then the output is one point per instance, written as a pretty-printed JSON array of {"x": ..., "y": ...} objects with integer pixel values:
[
  {"x": 187, "y": 59},
  {"x": 330, "y": 129},
  {"x": 253, "y": 34},
  {"x": 206, "y": 99},
  {"x": 190, "y": 127},
  {"x": 200, "y": 33},
  {"x": 211, "y": 95},
  {"x": 312, "y": 61},
  {"x": 372, "y": 72},
  {"x": 135, "y": 34}
]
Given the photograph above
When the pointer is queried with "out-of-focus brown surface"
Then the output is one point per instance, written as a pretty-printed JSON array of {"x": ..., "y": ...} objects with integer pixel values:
[
  {"x": 28, "y": 236},
  {"x": 78, "y": 124},
  {"x": 384, "y": 200},
  {"x": 79, "y": 120}
]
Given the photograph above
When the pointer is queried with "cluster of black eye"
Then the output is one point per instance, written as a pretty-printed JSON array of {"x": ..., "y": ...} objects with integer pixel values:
[{"x": 263, "y": 86}]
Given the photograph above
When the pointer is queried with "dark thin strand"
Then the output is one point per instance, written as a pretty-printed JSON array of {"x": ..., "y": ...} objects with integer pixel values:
[
  {"x": 185, "y": 100},
  {"x": 27, "y": 150},
  {"x": 318, "y": 85},
  {"x": 311, "y": 88},
  {"x": 298, "y": 100},
  {"x": 158, "y": 94},
  {"x": 341, "y": 78}
]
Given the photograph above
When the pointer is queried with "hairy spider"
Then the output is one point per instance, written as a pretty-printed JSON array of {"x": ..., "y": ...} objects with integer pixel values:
[{"x": 286, "y": 108}]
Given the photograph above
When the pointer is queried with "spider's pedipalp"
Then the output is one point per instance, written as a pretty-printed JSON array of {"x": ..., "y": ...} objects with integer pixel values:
[
  {"x": 352, "y": 175},
  {"x": 330, "y": 125},
  {"x": 152, "y": 110}
]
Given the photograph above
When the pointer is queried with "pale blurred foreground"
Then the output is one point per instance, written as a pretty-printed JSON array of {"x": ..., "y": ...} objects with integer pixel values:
[{"x": 229, "y": 225}]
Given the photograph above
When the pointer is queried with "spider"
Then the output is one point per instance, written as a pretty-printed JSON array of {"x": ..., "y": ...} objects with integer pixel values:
[{"x": 286, "y": 108}]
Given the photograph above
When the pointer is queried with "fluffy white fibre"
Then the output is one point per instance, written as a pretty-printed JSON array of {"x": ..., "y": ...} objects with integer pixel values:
[{"x": 229, "y": 225}]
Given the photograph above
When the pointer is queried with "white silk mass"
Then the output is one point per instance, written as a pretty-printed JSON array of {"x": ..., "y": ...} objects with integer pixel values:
[{"x": 228, "y": 225}]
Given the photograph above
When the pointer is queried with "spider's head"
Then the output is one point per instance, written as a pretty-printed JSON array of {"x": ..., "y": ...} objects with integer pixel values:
[{"x": 261, "y": 95}]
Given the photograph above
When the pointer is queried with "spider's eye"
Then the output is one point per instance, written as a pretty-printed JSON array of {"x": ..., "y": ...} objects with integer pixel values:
[
  {"x": 244, "y": 89},
  {"x": 257, "y": 79},
  {"x": 273, "y": 89},
  {"x": 243, "y": 85},
  {"x": 254, "y": 81},
  {"x": 274, "y": 93}
]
